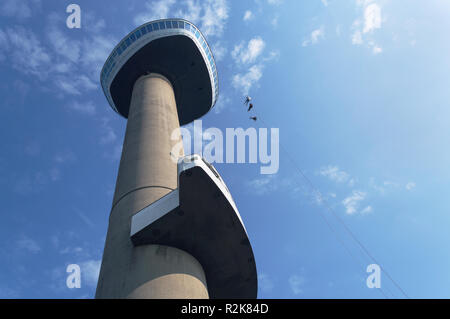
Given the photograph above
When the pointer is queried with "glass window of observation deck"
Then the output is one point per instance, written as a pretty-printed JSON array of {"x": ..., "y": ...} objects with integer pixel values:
[
  {"x": 155, "y": 26},
  {"x": 162, "y": 25},
  {"x": 149, "y": 28},
  {"x": 168, "y": 25}
]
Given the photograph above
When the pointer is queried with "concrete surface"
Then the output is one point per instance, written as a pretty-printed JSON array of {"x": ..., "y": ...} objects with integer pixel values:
[{"x": 146, "y": 173}]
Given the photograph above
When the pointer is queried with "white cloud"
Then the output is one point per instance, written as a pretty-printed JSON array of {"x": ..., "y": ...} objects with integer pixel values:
[
  {"x": 357, "y": 37},
  {"x": 325, "y": 3},
  {"x": 28, "y": 244},
  {"x": 221, "y": 103},
  {"x": 214, "y": 17},
  {"x": 26, "y": 52},
  {"x": 410, "y": 186},
  {"x": 248, "y": 15},
  {"x": 96, "y": 50},
  {"x": 73, "y": 66},
  {"x": 335, "y": 174},
  {"x": 273, "y": 55},
  {"x": 372, "y": 21},
  {"x": 271, "y": 183},
  {"x": 219, "y": 51},
  {"x": 209, "y": 15},
  {"x": 90, "y": 270},
  {"x": 68, "y": 48},
  {"x": 17, "y": 8},
  {"x": 296, "y": 283},
  {"x": 351, "y": 202},
  {"x": 263, "y": 185},
  {"x": 275, "y": 2},
  {"x": 154, "y": 10},
  {"x": 192, "y": 12},
  {"x": 372, "y": 18},
  {"x": 83, "y": 107},
  {"x": 108, "y": 134},
  {"x": 318, "y": 198},
  {"x": 314, "y": 37},
  {"x": 376, "y": 49},
  {"x": 265, "y": 283},
  {"x": 244, "y": 82},
  {"x": 71, "y": 250},
  {"x": 367, "y": 210},
  {"x": 249, "y": 54}
]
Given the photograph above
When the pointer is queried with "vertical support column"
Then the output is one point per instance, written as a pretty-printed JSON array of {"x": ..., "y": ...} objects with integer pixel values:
[{"x": 147, "y": 173}]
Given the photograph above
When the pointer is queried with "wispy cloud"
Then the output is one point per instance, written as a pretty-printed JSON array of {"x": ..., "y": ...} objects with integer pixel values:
[
  {"x": 334, "y": 173},
  {"x": 274, "y": 21},
  {"x": 28, "y": 244},
  {"x": 214, "y": 18},
  {"x": 275, "y": 2},
  {"x": 367, "y": 210},
  {"x": 219, "y": 51},
  {"x": 71, "y": 66},
  {"x": 409, "y": 186},
  {"x": 271, "y": 183},
  {"x": 296, "y": 282},
  {"x": 27, "y": 53},
  {"x": 90, "y": 270},
  {"x": 84, "y": 218},
  {"x": 245, "y": 81},
  {"x": 248, "y": 15},
  {"x": 248, "y": 53},
  {"x": 108, "y": 134},
  {"x": 18, "y": 8},
  {"x": 352, "y": 202},
  {"x": 64, "y": 157},
  {"x": 221, "y": 103},
  {"x": 87, "y": 107},
  {"x": 372, "y": 18},
  {"x": 154, "y": 10},
  {"x": 314, "y": 37},
  {"x": 265, "y": 283},
  {"x": 364, "y": 27},
  {"x": 209, "y": 15}
]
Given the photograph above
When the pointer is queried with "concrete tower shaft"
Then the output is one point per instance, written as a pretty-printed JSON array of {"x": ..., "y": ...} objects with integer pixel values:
[
  {"x": 172, "y": 225},
  {"x": 146, "y": 174}
]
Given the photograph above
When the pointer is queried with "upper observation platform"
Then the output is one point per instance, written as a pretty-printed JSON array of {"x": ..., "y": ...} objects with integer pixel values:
[{"x": 174, "y": 48}]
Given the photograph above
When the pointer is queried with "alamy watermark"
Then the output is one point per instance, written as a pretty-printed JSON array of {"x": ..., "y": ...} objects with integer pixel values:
[
  {"x": 237, "y": 141},
  {"x": 74, "y": 278},
  {"x": 374, "y": 279},
  {"x": 74, "y": 19}
]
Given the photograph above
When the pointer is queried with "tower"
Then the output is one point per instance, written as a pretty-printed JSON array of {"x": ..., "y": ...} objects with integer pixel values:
[{"x": 174, "y": 230}]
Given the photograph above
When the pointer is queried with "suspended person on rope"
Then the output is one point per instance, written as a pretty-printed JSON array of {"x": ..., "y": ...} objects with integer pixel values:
[{"x": 247, "y": 100}]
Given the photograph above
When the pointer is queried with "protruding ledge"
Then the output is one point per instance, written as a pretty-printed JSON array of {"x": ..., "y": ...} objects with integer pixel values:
[{"x": 200, "y": 217}]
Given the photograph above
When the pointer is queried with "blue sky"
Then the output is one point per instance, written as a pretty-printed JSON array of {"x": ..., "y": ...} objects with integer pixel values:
[{"x": 357, "y": 88}]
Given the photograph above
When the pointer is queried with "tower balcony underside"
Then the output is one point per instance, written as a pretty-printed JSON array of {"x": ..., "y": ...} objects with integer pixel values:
[
  {"x": 180, "y": 54},
  {"x": 200, "y": 217}
]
